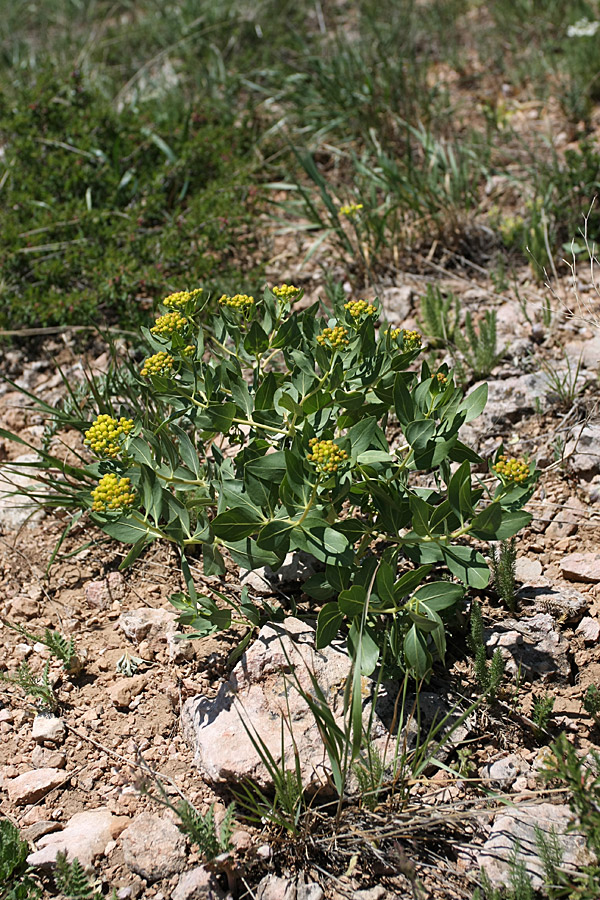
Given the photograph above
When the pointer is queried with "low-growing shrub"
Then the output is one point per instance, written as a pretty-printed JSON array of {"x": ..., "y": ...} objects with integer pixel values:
[{"x": 262, "y": 430}]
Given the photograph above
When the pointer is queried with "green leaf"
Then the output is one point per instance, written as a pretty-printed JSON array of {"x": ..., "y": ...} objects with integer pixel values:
[
  {"x": 248, "y": 555},
  {"x": 363, "y": 648},
  {"x": 421, "y": 511},
  {"x": 485, "y": 525},
  {"x": 275, "y": 535},
  {"x": 236, "y": 524},
  {"x": 316, "y": 537},
  {"x": 218, "y": 417},
  {"x": 212, "y": 560},
  {"x": 416, "y": 653},
  {"x": 130, "y": 531},
  {"x": 371, "y": 457},
  {"x": 461, "y": 453},
  {"x": 439, "y": 594},
  {"x": 264, "y": 397},
  {"x": 512, "y": 523},
  {"x": 135, "y": 551},
  {"x": 474, "y": 403},
  {"x": 271, "y": 467},
  {"x": 419, "y": 433},
  {"x": 352, "y": 602},
  {"x": 468, "y": 565},
  {"x": 318, "y": 587},
  {"x": 410, "y": 581},
  {"x": 256, "y": 341},
  {"x": 458, "y": 479},
  {"x": 315, "y": 402},
  {"x": 328, "y": 625},
  {"x": 403, "y": 402},
  {"x": 338, "y": 577},
  {"x": 384, "y": 582}
]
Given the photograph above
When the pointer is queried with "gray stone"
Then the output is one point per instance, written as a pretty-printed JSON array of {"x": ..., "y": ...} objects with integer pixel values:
[
  {"x": 50, "y": 759},
  {"x": 396, "y": 303},
  {"x": 85, "y": 837},
  {"x": 32, "y": 786},
  {"x": 296, "y": 567},
  {"x": 527, "y": 570},
  {"x": 589, "y": 629},
  {"x": 375, "y": 893},
  {"x": 144, "y": 622},
  {"x": 179, "y": 650},
  {"x": 36, "y": 831},
  {"x": 101, "y": 594},
  {"x": 154, "y": 847},
  {"x": 519, "y": 825},
  {"x": 587, "y": 351},
  {"x": 504, "y": 772},
  {"x": 531, "y": 645},
  {"x": 16, "y": 509},
  {"x": 581, "y": 567},
  {"x": 272, "y": 887},
  {"x": 583, "y": 451},
  {"x": 509, "y": 401},
  {"x": 198, "y": 884},
  {"x": 48, "y": 728},
  {"x": 562, "y": 602},
  {"x": 261, "y": 691}
]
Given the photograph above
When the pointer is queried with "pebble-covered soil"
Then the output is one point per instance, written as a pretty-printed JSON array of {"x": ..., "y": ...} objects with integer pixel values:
[{"x": 80, "y": 780}]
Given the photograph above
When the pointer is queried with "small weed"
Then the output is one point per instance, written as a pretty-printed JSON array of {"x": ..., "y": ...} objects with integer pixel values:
[
  {"x": 591, "y": 703},
  {"x": 62, "y": 649},
  {"x": 541, "y": 712},
  {"x": 16, "y": 881},
  {"x": 37, "y": 687},
  {"x": 202, "y": 830},
  {"x": 504, "y": 558},
  {"x": 439, "y": 315},
  {"x": 73, "y": 882},
  {"x": 479, "y": 348},
  {"x": 488, "y": 674},
  {"x": 564, "y": 383}
]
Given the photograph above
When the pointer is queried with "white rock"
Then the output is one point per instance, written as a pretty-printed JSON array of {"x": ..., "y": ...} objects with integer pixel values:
[
  {"x": 179, "y": 650},
  {"x": 86, "y": 837},
  {"x": 260, "y": 693},
  {"x": 32, "y": 786},
  {"x": 154, "y": 847},
  {"x": 504, "y": 772},
  {"x": 140, "y": 623},
  {"x": 17, "y": 510},
  {"x": 48, "y": 728},
  {"x": 198, "y": 884},
  {"x": 519, "y": 825},
  {"x": 590, "y": 629}
]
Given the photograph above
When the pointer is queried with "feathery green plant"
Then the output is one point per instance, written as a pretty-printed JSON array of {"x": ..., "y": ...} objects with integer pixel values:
[
  {"x": 439, "y": 314},
  {"x": 37, "y": 687},
  {"x": 488, "y": 674},
  {"x": 479, "y": 348},
  {"x": 504, "y": 558}
]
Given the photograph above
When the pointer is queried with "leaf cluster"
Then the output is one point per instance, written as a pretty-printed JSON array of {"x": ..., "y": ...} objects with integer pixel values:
[{"x": 16, "y": 882}]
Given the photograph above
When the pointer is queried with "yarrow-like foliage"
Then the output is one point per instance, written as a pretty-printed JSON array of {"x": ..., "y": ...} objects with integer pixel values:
[
  {"x": 509, "y": 468},
  {"x": 169, "y": 324},
  {"x": 336, "y": 337},
  {"x": 106, "y": 435},
  {"x": 112, "y": 493},
  {"x": 181, "y": 298},
  {"x": 238, "y": 301},
  {"x": 159, "y": 364},
  {"x": 285, "y": 291},
  {"x": 359, "y": 308},
  {"x": 326, "y": 455}
]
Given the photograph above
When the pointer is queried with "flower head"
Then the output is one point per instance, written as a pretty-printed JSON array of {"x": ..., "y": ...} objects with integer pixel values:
[
  {"x": 359, "y": 308},
  {"x": 336, "y": 338},
  {"x": 112, "y": 493},
  {"x": 238, "y": 301},
  {"x": 180, "y": 298},
  {"x": 285, "y": 291},
  {"x": 411, "y": 340},
  {"x": 326, "y": 455},
  {"x": 169, "y": 324},
  {"x": 350, "y": 209},
  {"x": 510, "y": 469},
  {"x": 105, "y": 435},
  {"x": 159, "y": 364}
]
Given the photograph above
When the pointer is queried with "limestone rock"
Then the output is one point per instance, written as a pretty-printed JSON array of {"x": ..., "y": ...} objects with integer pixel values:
[
  {"x": 141, "y": 623},
  {"x": 50, "y": 759},
  {"x": 532, "y": 645},
  {"x": 154, "y": 847},
  {"x": 48, "y": 728},
  {"x": 296, "y": 567},
  {"x": 519, "y": 825},
  {"x": 124, "y": 690},
  {"x": 504, "y": 772},
  {"x": 563, "y": 602},
  {"x": 32, "y": 786},
  {"x": 583, "y": 451},
  {"x": 581, "y": 567},
  {"x": 85, "y": 837},
  {"x": 17, "y": 510},
  {"x": 590, "y": 630},
  {"x": 258, "y": 692},
  {"x": 198, "y": 884},
  {"x": 396, "y": 303},
  {"x": 272, "y": 887},
  {"x": 101, "y": 594}
]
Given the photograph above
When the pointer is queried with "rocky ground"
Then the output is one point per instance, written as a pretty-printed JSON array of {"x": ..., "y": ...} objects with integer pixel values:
[{"x": 83, "y": 779}]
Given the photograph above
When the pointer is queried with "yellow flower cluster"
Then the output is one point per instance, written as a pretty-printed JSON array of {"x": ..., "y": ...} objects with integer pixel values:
[
  {"x": 442, "y": 379},
  {"x": 105, "y": 435},
  {"x": 169, "y": 324},
  {"x": 188, "y": 351},
  {"x": 159, "y": 364},
  {"x": 358, "y": 308},
  {"x": 511, "y": 469},
  {"x": 336, "y": 337},
  {"x": 326, "y": 455},
  {"x": 112, "y": 493},
  {"x": 180, "y": 298},
  {"x": 412, "y": 339},
  {"x": 285, "y": 291},
  {"x": 239, "y": 301},
  {"x": 350, "y": 209}
]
